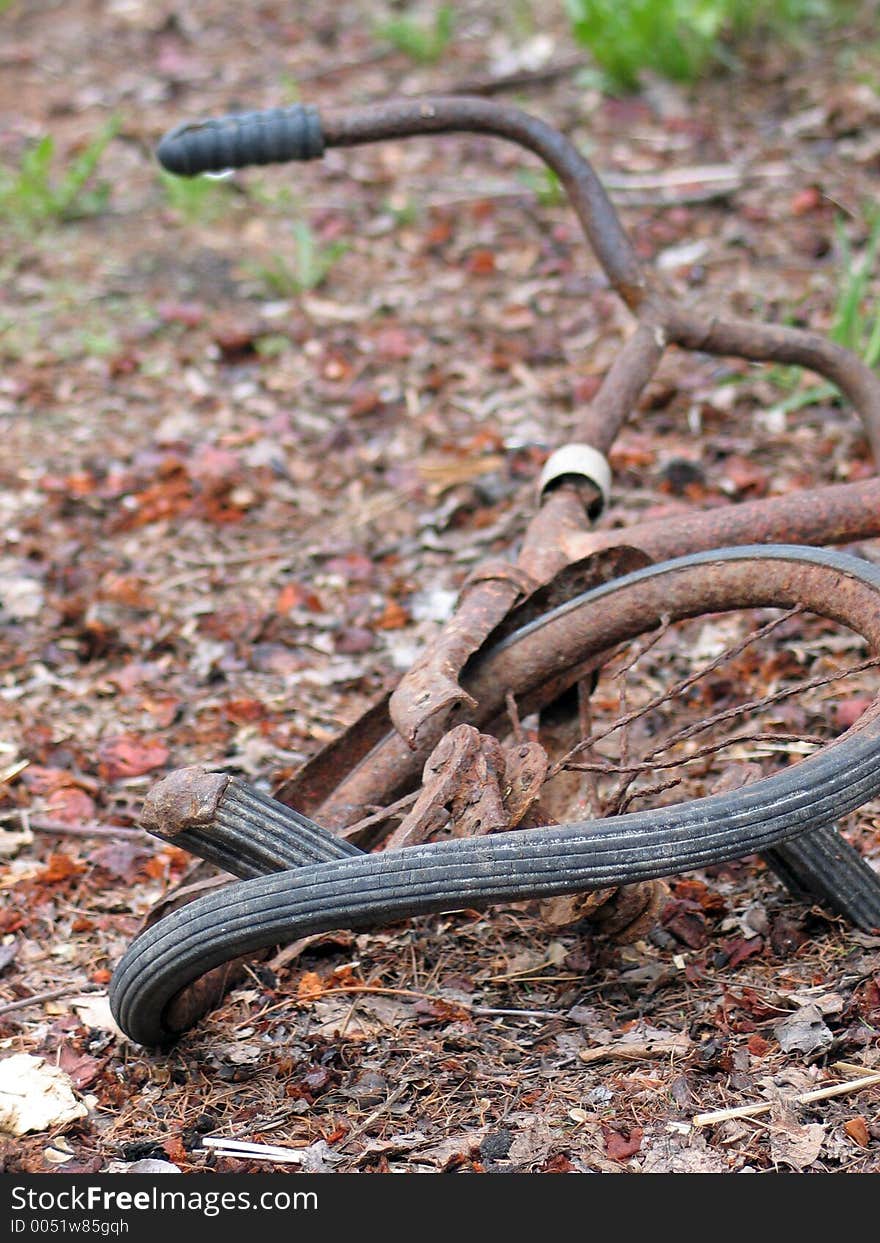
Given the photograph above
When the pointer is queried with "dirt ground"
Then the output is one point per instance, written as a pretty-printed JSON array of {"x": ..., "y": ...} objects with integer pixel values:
[{"x": 232, "y": 511}]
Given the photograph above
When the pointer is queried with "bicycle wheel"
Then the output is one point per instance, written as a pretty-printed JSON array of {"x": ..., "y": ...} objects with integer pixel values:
[{"x": 536, "y": 663}]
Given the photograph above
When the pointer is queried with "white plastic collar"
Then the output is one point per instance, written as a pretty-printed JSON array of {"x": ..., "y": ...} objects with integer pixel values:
[{"x": 575, "y": 459}]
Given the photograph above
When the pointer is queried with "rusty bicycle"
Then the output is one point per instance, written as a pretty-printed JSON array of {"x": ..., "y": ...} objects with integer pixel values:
[{"x": 356, "y": 838}]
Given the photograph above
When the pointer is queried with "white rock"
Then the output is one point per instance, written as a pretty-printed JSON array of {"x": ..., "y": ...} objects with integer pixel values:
[
  {"x": 21, "y": 598},
  {"x": 149, "y": 1165}
]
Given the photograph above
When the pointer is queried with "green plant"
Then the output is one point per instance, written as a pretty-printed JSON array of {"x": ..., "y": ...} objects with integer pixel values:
[
  {"x": 422, "y": 42},
  {"x": 273, "y": 345},
  {"x": 37, "y": 192},
  {"x": 855, "y": 326},
  {"x": 312, "y": 261},
  {"x": 856, "y": 321},
  {"x": 196, "y": 200},
  {"x": 403, "y": 210},
  {"x": 520, "y": 20},
  {"x": 545, "y": 185},
  {"x": 678, "y": 39},
  {"x": 289, "y": 89}
]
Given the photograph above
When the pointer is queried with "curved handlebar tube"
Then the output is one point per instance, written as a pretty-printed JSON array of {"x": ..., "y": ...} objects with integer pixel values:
[{"x": 302, "y": 133}]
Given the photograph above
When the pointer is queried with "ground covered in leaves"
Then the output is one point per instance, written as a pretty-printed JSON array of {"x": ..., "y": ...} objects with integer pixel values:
[{"x": 256, "y": 433}]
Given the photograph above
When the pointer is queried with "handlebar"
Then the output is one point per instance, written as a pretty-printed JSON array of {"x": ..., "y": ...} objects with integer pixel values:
[
  {"x": 234, "y": 141},
  {"x": 301, "y": 133}
]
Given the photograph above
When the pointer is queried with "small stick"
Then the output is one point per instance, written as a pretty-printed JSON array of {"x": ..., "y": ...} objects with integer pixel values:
[
  {"x": 253, "y": 1151},
  {"x": 513, "y": 713},
  {"x": 632, "y": 1052},
  {"x": 518, "y": 78},
  {"x": 853, "y": 1068},
  {"x": 356, "y": 989},
  {"x": 376, "y": 1114},
  {"x": 819, "y": 1094},
  {"x": 679, "y": 687},
  {"x": 53, "y": 995},
  {"x": 42, "y": 824},
  {"x": 384, "y": 813},
  {"x": 13, "y": 770},
  {"x": 492, "y": 1011}
]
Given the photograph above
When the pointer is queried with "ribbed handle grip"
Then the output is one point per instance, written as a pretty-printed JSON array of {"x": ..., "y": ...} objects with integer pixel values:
[{"x": 234, "y": 141}]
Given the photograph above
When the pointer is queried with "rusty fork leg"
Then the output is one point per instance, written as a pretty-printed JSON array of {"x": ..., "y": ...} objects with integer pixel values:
[{"x": 429, "y": 693}]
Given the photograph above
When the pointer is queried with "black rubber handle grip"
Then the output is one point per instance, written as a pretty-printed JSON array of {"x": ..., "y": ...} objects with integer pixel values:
[{"x": 234, "y": 141}]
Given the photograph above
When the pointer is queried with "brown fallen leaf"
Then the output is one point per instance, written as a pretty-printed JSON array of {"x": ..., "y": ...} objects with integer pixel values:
[
  {"x": 848, "y": 712},
  {"x": 40, "y": 780},
  {"x": 619, "y": 1145},
  {"x": 394, "y": 617},
  {"x": 310, "y": 986},
  {"x": 741, "y": 948},
  {"x": 70, "y": 805},
  {"x": 857, "y": 1129},
  {"x": 59, "y": 867},
  {"x": 130, "y": 756},
  {"x": 757, "y": 1045},
  {"x": 636, "y": 1050},
  {"x": 82, "y": 1069},
  {"x": 122, "y": 860},
  {"x": 794, "y": 1145},
  {"x": 294, "y": 596},
  {"x": 804, "y": 1032}
]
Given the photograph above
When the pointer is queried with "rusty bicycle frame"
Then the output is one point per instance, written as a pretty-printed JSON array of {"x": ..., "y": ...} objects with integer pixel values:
[
  {"x": 559, "y": 534},
  {"x": 382, "y": 755}
]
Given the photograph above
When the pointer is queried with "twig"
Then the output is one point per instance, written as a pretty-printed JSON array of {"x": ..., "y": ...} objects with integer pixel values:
[
  {"x": 672, "y": 177},
  {"x": 118, "y": 832},
  {"x": 679, "y": 687},
  {"x": 493, "y": 1011},
  {"x": 606, "y": 767},
  {"x": 13, "y": 770},
  {"x": 513, "y": 713},
  {"x": 818, "y": 1094},
  {"x": 519, "y": 78},
  {"x": 252, "y": 1151},
  {"x": 384, "y": 813},
  {"x": 359, "y": 989},
  {"x": 377, "y": 1113},
  {"x": 585, "y": 727},
  {"x": 331, "y": 68},
  {"x": 53, "y": 995},
  {"x": 633, "y": 1052},
  {"x": 853, "y": 1068},
  {"x": 754, "y": 704},
  {"x": 350, "y": 990},
  {"x": 628, "y": 797}
]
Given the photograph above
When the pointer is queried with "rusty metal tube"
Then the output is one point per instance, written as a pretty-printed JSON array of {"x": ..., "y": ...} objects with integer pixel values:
[
  {"x": 444, "y": 114},
  {"x": 839, "y": 514},
  {"x": 775, "y": 343}
]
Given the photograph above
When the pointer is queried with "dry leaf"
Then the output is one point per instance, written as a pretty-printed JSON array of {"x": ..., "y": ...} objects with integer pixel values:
[
  {"x": 804, "y": 1032},
  {"x": 130, "y": 756},
  {"x": 796, "y": 1146},
  {"x": 35, "y": 1096},
  {"x": 622, "y": 1144},
  {"x": 857, "y": 1129},
  {"x": 310, "y": 986}
]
